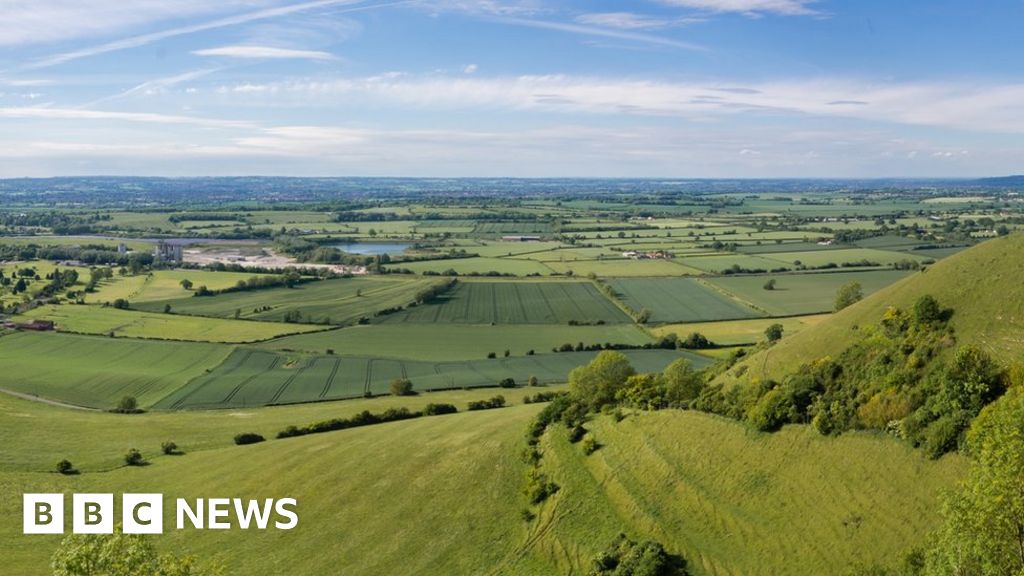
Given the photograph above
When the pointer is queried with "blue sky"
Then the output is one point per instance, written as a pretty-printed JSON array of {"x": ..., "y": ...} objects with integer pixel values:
[{"x": 661, "y": 88}]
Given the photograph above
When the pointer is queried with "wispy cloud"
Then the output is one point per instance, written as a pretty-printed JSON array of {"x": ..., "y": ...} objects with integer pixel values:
[
  {"x": 750, "y": 7},
  {"x": 595, "y": 31},
  {"x": 264, "y": 52},
  {"x": 144, "y": 39},
  {"x": 980, "y": 108},
  {"x": 155, "y": 86},
  {"x": 49, "y": 113},
  {"x": 632, "y": 21}
]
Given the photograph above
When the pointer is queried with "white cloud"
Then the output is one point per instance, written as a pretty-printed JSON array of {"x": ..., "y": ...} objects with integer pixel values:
[
  {"x": 584, "y": 30},
  {"x": 470, "y": 69},
  {"x": 631, "y": 21},
  {"x": 144, "y": 39},
  {"x": 975, "y": 107},
  {"x": 48, "y": 113},
  {"x": 750, "y": 7},
  {"x": 265, "y": 52}
]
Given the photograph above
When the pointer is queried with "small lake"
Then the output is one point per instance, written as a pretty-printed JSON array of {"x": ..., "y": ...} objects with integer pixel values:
[{"x": 372, "y": 249}]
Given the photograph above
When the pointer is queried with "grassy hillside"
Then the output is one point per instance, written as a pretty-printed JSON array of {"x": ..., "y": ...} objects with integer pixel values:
[
  {"x": 441, "y": 495},
  {"x": 984, "y": 285}
]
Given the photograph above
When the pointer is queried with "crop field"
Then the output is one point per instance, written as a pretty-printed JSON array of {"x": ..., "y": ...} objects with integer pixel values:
[
  {"x": 501, "y": 249},
  {"x": 515, "y": 303},
  {"x": 133, "y": 324},
  {"x": 624, "y": 267},
  {"x": 513, "y": 228},
  {"x": 739, "y": 332},
  {"x": 340, "y": 301},
  {"x": 716, "y": 264},
  {"x": 773, "y": 248},
  {"x": 808, "y": 293},
  {"x": 455, "y": 341},
  {"x": 679, "y": 300},
  {"x": 251, "y": 377},
  {"x": 480, "y": 265},
  {"x": 97, "y": 372}
]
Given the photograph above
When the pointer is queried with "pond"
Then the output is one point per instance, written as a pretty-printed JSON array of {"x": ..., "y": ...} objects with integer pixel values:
[{"x": 372, "y": 248}]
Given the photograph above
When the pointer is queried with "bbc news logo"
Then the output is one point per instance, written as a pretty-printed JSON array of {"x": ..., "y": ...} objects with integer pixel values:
[{"x": 144, "y": 513}]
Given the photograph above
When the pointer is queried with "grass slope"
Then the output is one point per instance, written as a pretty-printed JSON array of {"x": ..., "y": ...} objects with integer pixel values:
[
  {"x": 440, "y": 495},
  {"x": 983, "y": 284}
]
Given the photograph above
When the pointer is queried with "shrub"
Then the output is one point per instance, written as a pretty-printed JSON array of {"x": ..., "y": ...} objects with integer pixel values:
[
  {"x": 590, "y": 445},
  {"x": 65, "y": 467},
  {"x": 169, "y": 448},
  {"x": 494, "y": 402},
  {"x": 577, "y": 433},
  {"x": 134, "y": 458},
  {"x": 437, "y": 409},
  {"x": 773, "y": 333},
  {"x": 507, "y": 383},
  {"x": 248, "y": 438},
  {"x": 491, "y": 355},
  {"x": 401, "y": 387},
  {"x": 121, "y": 304},
  {"x": 533, "y": 382},
  {"x": 128, "y": 405}
]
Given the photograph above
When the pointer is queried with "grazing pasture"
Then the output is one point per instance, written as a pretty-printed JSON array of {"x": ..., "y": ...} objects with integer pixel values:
[
  {"x": 90, "y": 319},
  {"x": 97, "y": 371},
  {"x": 481, "y": 265},
  {"x": 679, "y": 300},
  {"x": 338, "y": 301},
  {"x": 808, "y": 293},
  {"x": 624, "y": 267},
  {"x": 839, "y": 257},
  {"x": 163, "y": 285},
  {"x": 739, "y": 332},
  {"x": 551, "y": 302}
]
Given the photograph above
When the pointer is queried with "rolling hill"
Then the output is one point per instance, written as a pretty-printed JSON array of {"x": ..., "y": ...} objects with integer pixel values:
[{"x": 984, "y": 286}]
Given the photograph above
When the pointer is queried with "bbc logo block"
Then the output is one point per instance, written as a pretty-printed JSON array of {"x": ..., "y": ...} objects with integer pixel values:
[{"x": 93, "y": 514}]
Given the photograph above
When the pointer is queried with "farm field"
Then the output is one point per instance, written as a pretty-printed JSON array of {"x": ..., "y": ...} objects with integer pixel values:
[
  {"x": 808, "y": 293},
  {"x": 679, "y": 300},
  {"x": 96, "y": 371},
  {"x": 89, "y": 319},
  {"x": 481, "y": 265},
  {"x": 163, "y": 285},
  {"x": 479, "y": 302},
  {"x": 624, "y": 267},
  {"x": 340, "y": 301},
  {"x": 739, "y": 332},
  {"x": 251, "y": 378},
  {"x": 460, "y": 341},
  {"x": 839, "y": 257},
  {"x": 717, "y": 264}
]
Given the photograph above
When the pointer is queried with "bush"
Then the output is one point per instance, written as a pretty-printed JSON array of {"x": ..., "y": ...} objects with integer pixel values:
[
  {"x": 590, "y": 445},
  {"x": 169, "y": 448},
  {"x": 577, "y": 433},
  {"x": 65, "y": 467},
  {"x": 773, "y": 333},
  {"x": 533, "y": 382},
  {"x": 134, "y": 458},
  {"x": 437, "y": 409},
  {"x": 495, "y": 402},
  {"x": 121, "y": 304},
  {"x": 401, "y": 387},
  {"x": 248, "y": 438},
  {"x": 128, "y": 405},
  {"x": 507, "y": 383},
  {"x": 628, "y": 558}
]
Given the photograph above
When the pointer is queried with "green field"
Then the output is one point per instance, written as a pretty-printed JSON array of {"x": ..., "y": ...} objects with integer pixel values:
[
  {"x": 340, "y": 301},
  {"x": 624, "y": 267},
  {"x": 515, "y": 303},
  {"x": 90, "y": 319},
  {"x": 250, "y": 377},
  {"x": 163, "y": 285},
  {"x": 809, "y": 293},
  {"x": 731, "y": 502},
  {"x": 717, "y": 264},
  {"x": 679, "y": 300},
  {"x": 739, "y": 332},
  {"x": 481, "y": 265},
  {"x": 815, "y": 258},
  {"x": 455, "y": 341},
  {"x": 96, "y": 371}
]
